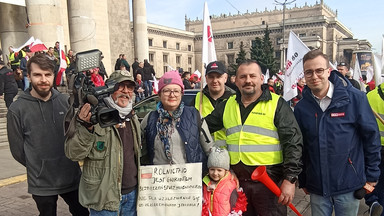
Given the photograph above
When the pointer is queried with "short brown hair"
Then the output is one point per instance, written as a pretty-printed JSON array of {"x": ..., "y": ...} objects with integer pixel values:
[
  {"x": 42, "y": 61},
  {"x": 314, "y": 54},
  {"x": 249, "y": 62}
]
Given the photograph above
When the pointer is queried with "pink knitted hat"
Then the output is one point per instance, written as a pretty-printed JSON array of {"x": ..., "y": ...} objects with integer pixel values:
[{"x": 171, "y": 77}]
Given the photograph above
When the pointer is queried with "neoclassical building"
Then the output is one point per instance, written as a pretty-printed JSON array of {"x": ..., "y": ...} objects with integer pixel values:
[{"x": 106, "y": 25}]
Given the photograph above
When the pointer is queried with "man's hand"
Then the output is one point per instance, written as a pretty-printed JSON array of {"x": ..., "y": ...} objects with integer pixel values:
[
  {"x": 85, "y": 114},
  {"x": 287, "y": 192}
]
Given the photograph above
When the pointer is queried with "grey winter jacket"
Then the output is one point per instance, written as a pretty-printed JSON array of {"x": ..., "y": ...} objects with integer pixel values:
[{"x": 36, "y": 140}]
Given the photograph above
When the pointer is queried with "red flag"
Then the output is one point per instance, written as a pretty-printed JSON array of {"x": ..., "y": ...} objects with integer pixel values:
[
  {"x": 63, "y": 66},
  {"x": 37, "y": 45}
]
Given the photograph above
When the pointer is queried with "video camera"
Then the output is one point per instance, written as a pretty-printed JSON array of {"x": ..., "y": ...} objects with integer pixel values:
[{"x": 84, "y": 91}]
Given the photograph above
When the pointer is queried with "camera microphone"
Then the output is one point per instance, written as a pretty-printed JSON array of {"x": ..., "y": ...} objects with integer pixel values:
[{"x": 92, "y": 99}]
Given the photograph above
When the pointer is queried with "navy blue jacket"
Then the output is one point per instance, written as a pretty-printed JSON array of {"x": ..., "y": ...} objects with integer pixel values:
[
  {"x": 341, "y": 145},
  {"x": 189, "y": 130}
]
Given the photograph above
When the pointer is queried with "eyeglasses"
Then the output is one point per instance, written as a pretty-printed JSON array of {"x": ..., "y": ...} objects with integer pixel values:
[
  {"x": 129, "y": 87},
  {"x": 318, "y": 72},
  {"x": 167, "y": 92}
]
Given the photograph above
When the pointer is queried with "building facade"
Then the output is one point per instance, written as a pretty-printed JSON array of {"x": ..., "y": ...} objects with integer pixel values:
[{"x": 106, "y": 25}]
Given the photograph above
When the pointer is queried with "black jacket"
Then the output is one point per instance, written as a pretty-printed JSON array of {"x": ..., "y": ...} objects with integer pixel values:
[
  {"x": 8, "y": 83},
  {"x": 289, "y": 134}
]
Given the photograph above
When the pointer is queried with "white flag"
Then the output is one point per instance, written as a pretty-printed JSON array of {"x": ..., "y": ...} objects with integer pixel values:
[
  {"x": 209, "y": 52},
  {"x": 377, "y": 63},
  {"x": 382, "y": 55},
  {"x": 357, "y": 75},
  {"x": 29, "y": 42},
  {"x": 266, "y": 77},
  {"x": 294, "y": 65}
]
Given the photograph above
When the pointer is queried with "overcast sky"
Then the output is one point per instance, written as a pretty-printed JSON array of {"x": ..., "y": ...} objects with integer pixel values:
[{"x": 364, "y": 18}]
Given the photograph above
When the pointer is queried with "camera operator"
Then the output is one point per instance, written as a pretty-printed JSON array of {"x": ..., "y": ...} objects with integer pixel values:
[{"x": 110, "y": 154}]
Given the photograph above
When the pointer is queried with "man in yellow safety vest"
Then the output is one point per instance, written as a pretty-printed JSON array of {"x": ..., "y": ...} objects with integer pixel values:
[{"x": 261, "y": 130}]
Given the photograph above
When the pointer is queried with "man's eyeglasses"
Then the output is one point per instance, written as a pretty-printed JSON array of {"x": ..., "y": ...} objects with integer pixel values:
[
  {"x": 318, "y": 72},
  {"x": 122, "y": 86},
  {"x": 168, "y": 92}
]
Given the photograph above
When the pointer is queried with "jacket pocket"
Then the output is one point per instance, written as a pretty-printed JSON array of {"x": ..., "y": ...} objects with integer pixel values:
[
  {"x": 343, "y": 175},
  {"x": 58, "y": 172}
]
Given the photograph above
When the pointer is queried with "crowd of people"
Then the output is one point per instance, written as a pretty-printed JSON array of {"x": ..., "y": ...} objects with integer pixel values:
[{"x": 329, "y": 144}]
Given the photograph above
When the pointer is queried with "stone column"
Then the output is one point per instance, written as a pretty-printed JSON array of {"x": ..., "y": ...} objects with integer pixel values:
[
  {"x": 82, "y": 25},
  {"x": 13, "y": 32},
  {"x": 45, "y": 21},
  {"x": 140, "y": 31}
]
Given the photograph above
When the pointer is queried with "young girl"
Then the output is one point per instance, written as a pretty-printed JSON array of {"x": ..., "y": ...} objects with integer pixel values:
[{"x": 221, "y": 193}]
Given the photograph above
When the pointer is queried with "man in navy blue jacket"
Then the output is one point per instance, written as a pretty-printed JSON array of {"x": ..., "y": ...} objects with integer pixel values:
[{"x": 341, "y": 139}]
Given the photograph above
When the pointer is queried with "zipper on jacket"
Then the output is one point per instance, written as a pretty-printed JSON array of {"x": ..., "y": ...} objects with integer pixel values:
[
  {"x": 353, "y": 167},
  {"x": 317, "y": 129}
]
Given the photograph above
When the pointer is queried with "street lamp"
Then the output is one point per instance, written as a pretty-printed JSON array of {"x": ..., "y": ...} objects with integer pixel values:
[{"x": 284, "y": 6}]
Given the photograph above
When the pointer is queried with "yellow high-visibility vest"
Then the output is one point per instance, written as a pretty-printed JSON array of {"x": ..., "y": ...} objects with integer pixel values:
[
  {"x": 377, "y": 104},
  {"x": 12, "y": 58},
  {"x": 218, "y": 136},
  {"x": 257, "y": 141}
]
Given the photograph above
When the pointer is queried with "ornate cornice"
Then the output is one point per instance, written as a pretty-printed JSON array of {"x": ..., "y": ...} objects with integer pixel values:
[{"x": 169, "y": 34}]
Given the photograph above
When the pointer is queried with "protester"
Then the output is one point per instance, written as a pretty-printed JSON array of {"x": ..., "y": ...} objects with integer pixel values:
[
  {"x": 271, "y": 83},
  {"x": 213, "y": 93},
  {"x": 139, "y": 70},
  {"x": 375, "y": 200},
  {"x": 187, "y": 84},
  {"x": 109, "y": 182},
  {"x": 174, "y": 133},
  {"x": 135, "y": 65},
  {"x": 221, "y": 193},
  {"x": 23, "y": 67},
  {"x": 125, "y": 62},
  {"x": 139, "y": 88},
  {"x": 36, "y": 140},
  {"x": 231, "y": 83},
  {"x": 261, "y": 130},
  {"x": 343, "y": 68},
  {"x": 96, "y": 78},
  {"x": 118, "y": 62},
  {"x": 148, "y": 74},
  {"x": 14, "y": 59},
  {"x": 341, "y": 139},
  {"x": 299, "y": 96},
  {"x": 8, "y": 85}
]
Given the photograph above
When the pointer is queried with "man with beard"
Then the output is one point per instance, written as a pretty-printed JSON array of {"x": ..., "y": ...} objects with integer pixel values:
[
  {"x": 213, "y": 93},
  {"x": 261, "y": 130},
  {"x": 111, "y": 155},
  {"x": 36, "y": 140}
]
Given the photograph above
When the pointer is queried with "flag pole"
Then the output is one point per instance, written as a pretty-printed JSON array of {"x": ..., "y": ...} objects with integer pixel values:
[{"x": 378, "y": 116}]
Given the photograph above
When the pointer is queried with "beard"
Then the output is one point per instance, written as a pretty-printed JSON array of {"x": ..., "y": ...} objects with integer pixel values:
[{"x": 42, "y": 92}]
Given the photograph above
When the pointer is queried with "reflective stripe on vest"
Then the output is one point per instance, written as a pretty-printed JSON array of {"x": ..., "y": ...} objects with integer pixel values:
[
  {"x": 257, "y": 141},
  {"x": 377, "y": 104},
  {"x": 207, "y": 109}
]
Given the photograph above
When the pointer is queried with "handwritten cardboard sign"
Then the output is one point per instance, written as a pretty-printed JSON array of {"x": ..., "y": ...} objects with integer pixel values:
[{"x": 167, "y": 190}]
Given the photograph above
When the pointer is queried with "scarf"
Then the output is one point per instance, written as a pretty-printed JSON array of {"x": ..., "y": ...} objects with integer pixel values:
[
  {"x": 165, "y": 126},
  {"x": 123, "y": 111}
]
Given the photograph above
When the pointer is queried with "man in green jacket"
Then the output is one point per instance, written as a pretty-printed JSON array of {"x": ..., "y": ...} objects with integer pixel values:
[{"x": 111, "y": 155}]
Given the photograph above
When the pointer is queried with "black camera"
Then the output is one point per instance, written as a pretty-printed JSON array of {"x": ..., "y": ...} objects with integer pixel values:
[{"x": 83, "y": 90}]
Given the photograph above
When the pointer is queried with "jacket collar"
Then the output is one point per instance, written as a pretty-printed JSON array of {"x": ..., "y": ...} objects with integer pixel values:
[{"x": 340, "y": 95}]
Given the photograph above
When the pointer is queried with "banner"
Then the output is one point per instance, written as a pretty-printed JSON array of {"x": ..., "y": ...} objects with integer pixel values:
[
  {"x": 294, "y": 65},
  {"x": 170, "y": 190},
  {"x": 357, "y": 75}
]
